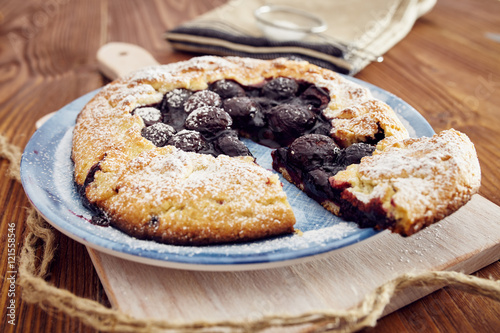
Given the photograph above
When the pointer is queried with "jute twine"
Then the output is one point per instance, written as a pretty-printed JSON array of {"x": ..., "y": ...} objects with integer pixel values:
[{"x": 35, "y": 289}]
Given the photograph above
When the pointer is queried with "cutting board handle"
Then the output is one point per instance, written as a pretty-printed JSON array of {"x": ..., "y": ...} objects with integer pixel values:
[{"x": 117, "y": 59}]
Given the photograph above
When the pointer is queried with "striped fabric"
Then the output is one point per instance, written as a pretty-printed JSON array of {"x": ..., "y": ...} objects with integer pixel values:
[{"x": 358, "y": 32}]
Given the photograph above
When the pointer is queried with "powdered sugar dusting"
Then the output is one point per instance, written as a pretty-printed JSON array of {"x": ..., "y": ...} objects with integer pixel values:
[
  {"x": 190, "y": 176},
  {"x": 149, "y": 115},
  {"x": 420, "y": 178},
  {"x": 176, "y": 98},
  {"x": 202, "y": 99},
  {"x": 199, "y": 113}
]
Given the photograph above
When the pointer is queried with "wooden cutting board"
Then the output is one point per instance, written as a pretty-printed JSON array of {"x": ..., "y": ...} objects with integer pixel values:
[{"x": 465, "y": 241}]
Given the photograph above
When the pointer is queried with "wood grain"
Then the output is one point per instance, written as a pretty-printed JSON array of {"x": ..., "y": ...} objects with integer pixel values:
[
  {"x": 446, "y": 68},
  {"x": 337, "y": 280},
  {"x": 454, "y": 76}
]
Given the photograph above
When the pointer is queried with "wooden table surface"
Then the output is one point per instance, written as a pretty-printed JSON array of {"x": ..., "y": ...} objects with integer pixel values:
[{"x": 448, "y": 68}]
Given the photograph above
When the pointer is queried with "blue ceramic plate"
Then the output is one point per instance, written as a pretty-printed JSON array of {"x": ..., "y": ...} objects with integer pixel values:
[{"x": 47, "y": 177}]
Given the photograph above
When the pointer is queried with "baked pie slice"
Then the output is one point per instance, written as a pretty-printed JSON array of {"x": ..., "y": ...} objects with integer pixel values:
[{"x": 410, "y": 184}]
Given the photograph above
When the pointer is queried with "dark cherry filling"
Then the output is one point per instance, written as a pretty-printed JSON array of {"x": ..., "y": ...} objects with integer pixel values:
[
  {"x": 208, "y": 120},
  {"x": 280, "y": 113},
  {"x": 227, "y": 89},
  {"x": 370, "y": 218},
  {"x": 313, "y": 158},
  {"x": 99, "y": 217},
  {"x": 272, "y": 113},
  {"x": 200, "y": 99},
  {"x": 159, "y": 134}
]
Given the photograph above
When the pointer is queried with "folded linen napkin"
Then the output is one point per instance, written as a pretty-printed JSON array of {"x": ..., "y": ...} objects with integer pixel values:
[{"x": 358, "y": 31}]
